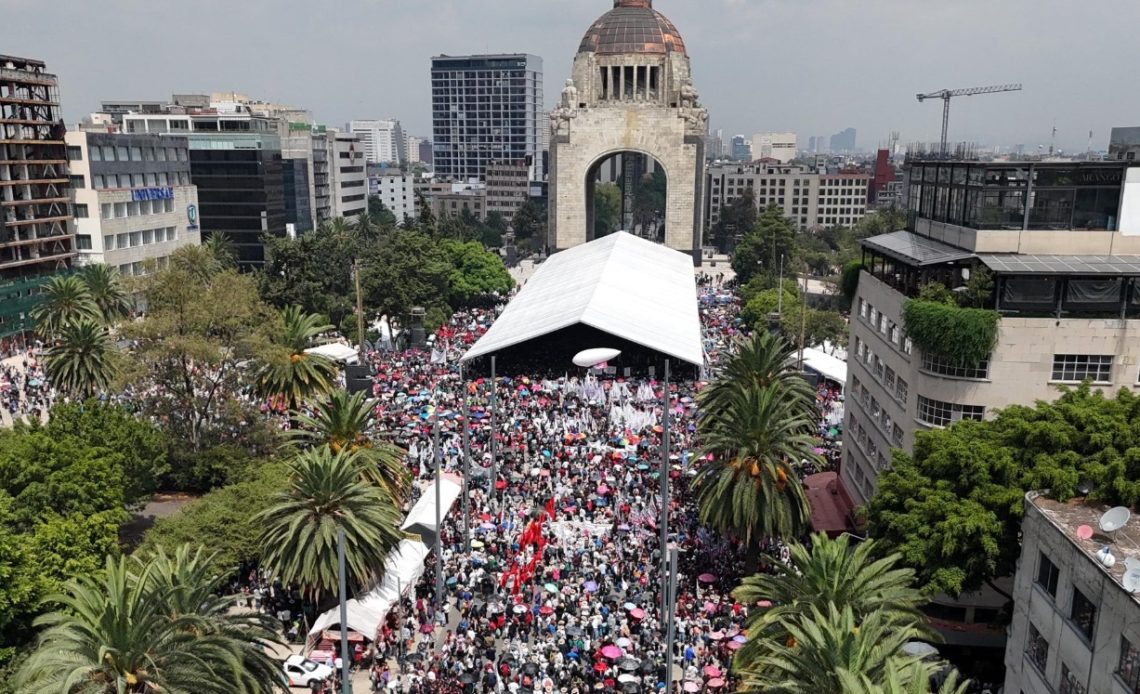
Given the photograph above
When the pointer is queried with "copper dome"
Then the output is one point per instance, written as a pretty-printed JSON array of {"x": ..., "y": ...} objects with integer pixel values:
[{"x": 632, "y": 26}]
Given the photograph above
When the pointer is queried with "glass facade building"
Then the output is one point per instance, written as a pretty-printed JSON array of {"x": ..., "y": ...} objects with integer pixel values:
[
  {"x": 486, "y": 108},
  {"x": 1024, "y": 196}
]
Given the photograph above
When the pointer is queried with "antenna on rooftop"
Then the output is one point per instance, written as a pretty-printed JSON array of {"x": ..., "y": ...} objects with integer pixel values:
[{"x": 1114, "y": 519}]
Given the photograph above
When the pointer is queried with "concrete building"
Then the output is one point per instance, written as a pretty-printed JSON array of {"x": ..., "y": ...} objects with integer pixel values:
[
  {"x": 741, "y": 148},
  {"x": 236, "y": 164},
  {"x": 412, "y": 146},
  {"x": 383, "y": 141},
  {"x": 396, "y": 190},
  {"x": 426, "y": 155},
  {"x": 37, "y": 236},
  {"x": 1124, "y": 144},
  {"x": 453, "y": 203},
  {"x": 321, "y": 177},
  {"x": 1064, "y": 266},
  {"x": 778, "y": 146},
  {"x": 1075, "y": 627},
  {"x": 133, "y": 199},
  {"x": 811, "y": 200},
  {"x": 348, "y": 182},
  {"x": 507, "y": 187},
  {"x": 486, "y": 108},
  {"x": 631, "y": 90}
]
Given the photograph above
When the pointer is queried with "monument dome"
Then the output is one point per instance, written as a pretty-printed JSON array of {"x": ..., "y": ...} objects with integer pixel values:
[{"x": 632, "y": 26}]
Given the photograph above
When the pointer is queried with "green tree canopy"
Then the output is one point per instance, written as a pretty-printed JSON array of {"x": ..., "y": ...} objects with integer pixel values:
[
  {"x": 772, "y": 237},
  {"x": 405, "y": 270},
  {"x": 737, "y": 217},
  {"x": 313, "y": 271},
  {"x": 953, "y": 509},
  {"x": 530, "y": 221},
  {"x": 380, "y": 215},
  {"x": 476, "y": 273},
  {"x": 607, "y": 209}
]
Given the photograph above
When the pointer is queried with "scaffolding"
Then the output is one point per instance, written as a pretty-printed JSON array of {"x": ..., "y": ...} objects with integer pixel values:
[{"x": 36, "y": 228}]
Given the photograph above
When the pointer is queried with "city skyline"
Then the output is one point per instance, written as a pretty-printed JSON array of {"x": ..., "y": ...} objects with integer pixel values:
[{"x": 816, "y": 76}]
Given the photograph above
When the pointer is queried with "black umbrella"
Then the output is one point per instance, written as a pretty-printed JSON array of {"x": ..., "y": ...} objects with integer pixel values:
[
  {"x": 467, "y": 678},
  {"x": 530, "y": 669},
  {"x": 631, "y": 687},
  {"x": 648, "y": 667},
  {"x": 628, "y": 664},
  {"x": 415, "y": 657}
]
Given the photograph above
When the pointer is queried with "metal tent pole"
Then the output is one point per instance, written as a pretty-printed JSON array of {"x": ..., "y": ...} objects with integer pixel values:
[{"x": 346, "y": 685}]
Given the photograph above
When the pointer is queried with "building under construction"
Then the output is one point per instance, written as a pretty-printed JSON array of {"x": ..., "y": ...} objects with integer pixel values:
[{"x": 36, "y": 230}]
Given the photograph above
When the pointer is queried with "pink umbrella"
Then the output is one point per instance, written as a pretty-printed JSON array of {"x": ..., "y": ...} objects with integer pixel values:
[
  {"x": 603, "y": 489},
  {"x": 716, "y": 635},
  {"x": 637, "y": 613},
  {"x": 712, "y": 671},
  {"x": 764, "y": 603},
  {"x": 706, "y": 578},
  {"x": 734, "y": 645},
  {"x": 709, "y": 607},
  {"x": 691, "y": 687},
  {"x": 715, "y": 683},
  {"x": 611, "y": 651}
]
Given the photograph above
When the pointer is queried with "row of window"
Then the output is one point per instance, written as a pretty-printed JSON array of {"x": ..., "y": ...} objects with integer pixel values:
[
  {"x": 127, "y": 153},
  {"x": 895, "y": 384},
  {"x": 878, "y": 413},
  {"x": 937, "y": 365},
  {"x": 862, "y": 479},
  {"x": 139, "y": 268},
  {"x": 133, "y": 239},
  {"x": 119, "y": 210},
  {"x": 148, "y": 180},
  {"x": 886, "y": 327},
  {"x": 867, "y": 444},
  {"x": 942, "y": 414}
]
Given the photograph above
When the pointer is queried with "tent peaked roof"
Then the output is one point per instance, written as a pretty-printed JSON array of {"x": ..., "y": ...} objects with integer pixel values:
[{"x": 620, "y": 284}]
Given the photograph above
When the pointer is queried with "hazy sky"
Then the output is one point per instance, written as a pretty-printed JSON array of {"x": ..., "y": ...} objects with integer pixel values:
[{"x": 812, "y": 66}]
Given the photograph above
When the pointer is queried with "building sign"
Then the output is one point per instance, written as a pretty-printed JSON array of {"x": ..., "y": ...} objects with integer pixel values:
[
  {"x": 152, "y": 194},
  {"x": 192, "y": 217}
]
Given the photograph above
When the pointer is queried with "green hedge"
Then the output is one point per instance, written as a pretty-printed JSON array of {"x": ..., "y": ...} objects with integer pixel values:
[
  {"x": 849, "y": 280},
  {"x": 963, "y": 336}
]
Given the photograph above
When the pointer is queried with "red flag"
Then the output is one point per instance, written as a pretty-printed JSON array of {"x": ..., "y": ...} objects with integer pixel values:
[{"x": 550, "y": 508}]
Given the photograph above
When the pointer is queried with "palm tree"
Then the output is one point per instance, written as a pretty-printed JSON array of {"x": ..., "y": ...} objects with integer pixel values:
[
  {"x": 291, "y": 373},
  {"x": 106, "y": 291},
  {"x": 82, "y": 360},
  {"x": 222, "y": 247},
  {"x": 326, "y": 494},
  {"x": 116, "y": 632},
  {"x": 749, "y": 490},
  {"x": 761, "y": 361},
  {"x": 830, "y": 572},
  {"x": 822, "y": 643},
  {"x": 900, "y": 679},
  {"x": 192, "y": 586},
  {"x": 63, "y": 301},
  {"x": 343, "y": 422},
  {"x": 365, "y": 227}
]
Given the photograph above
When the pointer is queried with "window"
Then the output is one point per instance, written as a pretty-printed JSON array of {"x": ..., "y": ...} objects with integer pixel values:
[
  {"x": 943, "y": 414},
  {"x": 121, "y": 241},
  {"x": 78, "y": 182},
  {"x": 889, "y": 379},
  {"x": 82, "y": 242},
  {"x": 108, "y": 153},
  {"x": 1083, "y": 614},
  {"x": 1128, "y": 669},
  {"x": 1037, "y": 648},
  {"x": 96, "y": 154},
  {"x": 901, "y": 391},
  {"x": 1069, "y": 682},
  {"x": 121, "y": 154},
  {"x": 1082, "y": 367},
  {"x": 136, "y": 154},
  {"x": 878, "y": 368},
  {"x": 80, "y": 211},
  {"x": 874, "y": 316},
  {"x": 908, "y": 346},
  {"x": 897, "y": 436},
  {"x": 109, "y": 242},
  {"x": 942, "y": 367},
  {"x": 108, "y": 211},
  {"x": 74, "y": 153},
  {"x": 1047, "y": 574},
  {"x": 120, "y": 209},
  {"x": 98, "y": 182}
]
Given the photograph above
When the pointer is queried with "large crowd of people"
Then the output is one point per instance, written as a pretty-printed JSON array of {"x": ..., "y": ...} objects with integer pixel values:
[
  {"x": 25, "y": 393},
  {"x": 554, "y": 567}
]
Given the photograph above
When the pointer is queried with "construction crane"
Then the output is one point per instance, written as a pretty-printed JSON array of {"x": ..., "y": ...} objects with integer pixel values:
[{"x": 947, "y": 94}]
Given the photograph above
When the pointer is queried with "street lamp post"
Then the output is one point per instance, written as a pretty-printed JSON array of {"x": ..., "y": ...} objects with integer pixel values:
[
  {"x": 664, "y": 522},
  {"x": 494, "y": 452},
  {"x": 438, "y": 455},
  {"x": 346, "y": 685},
  {"x": 670, "y": 618},
  {"x": 466, "y": 468}
]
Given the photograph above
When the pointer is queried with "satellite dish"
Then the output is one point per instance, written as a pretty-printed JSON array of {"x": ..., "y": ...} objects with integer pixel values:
[
  {"x": 1085, "y": 532},
  {"x": 589, "y": 358},
  {"x": 1114, "y": 519},
  {"x": 1131, "y": 564},
  {"x": 1132, "y": 580}
]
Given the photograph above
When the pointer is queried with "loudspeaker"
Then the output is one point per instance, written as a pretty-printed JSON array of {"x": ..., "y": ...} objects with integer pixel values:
[{"x": 358, "y": 378}]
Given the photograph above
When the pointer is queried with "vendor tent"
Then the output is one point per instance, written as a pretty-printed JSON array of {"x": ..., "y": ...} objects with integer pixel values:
[
  {"x": 619, "y": 291},
  {"x": 832, "y": 368},
  {"x": 421, "y": 519},
  {"x": 336, "y": 352}
]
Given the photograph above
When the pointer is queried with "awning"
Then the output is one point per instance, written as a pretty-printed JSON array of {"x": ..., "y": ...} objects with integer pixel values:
[
  {"x": 831, "y": 368},
  {"x": 830, "y": 507},
  {"x": 336, "y": 352},
  {"x": 1017, "y": 264},
  {"x": 620, "y": 284},
  {"x": 915, "y": 250},
  {"x": 421, "y": 519}
]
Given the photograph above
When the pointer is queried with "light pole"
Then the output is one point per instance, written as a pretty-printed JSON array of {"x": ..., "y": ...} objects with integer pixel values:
[
  {"x": 438, "y": 455},
  {"x": 494, "y": 452},
  {"x": 346, "y": 685},
  {"x": 664, "y": 522},
  {"x": 466, "y": 468},
  {"x": 670, "y": 618}
]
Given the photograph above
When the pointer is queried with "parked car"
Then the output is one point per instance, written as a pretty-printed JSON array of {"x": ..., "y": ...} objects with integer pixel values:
[{"x": 303, "y": 672}]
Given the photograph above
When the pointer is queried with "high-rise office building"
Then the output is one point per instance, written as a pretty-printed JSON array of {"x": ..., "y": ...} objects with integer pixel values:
[
  {"x": 486, "y": 108},
  {"x": 811, "y": 200},
  {"x": 741, "y": 148},
  {"x": 36, "y": 231},
  {"x": 134, "y": 202},
  {"x": 384, "y": 141},
  {"x": 778, "y": 146},
  {"x": 396, "y": 191},
  {"x": 843, "y": 142},
  {"x": 412, "y": 149},
  {"x": 347, "y": 176}
]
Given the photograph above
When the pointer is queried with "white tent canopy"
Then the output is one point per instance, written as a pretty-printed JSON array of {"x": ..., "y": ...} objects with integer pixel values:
[
  {"x": 403, "y": 567},
  {"x": 336, "y": 352},
  {"x": 620, "y": 284},
  {"x": 421, "y": 519},
  {"x": 831, "y": 368}
]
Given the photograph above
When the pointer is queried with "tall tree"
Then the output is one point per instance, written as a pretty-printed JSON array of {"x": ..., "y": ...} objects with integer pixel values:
[
  {"x": 288, "y": 371},
  {"x": 107, "y": 291},
  {"x": 737, "y": 217},
  {"x": 476, "y": 273},
  {"x": 405, "y": 270},
  {"x": 530, "y": 221},
  {"x": 827, "y": 571},
  {"x": 313, "y": 271},
  {"x": 772, "y": 237},
  {"x": 380, "y": 215},
  {"x": 82, "y": 361},
  {"x": 200, "y": 326},
  {"x": 125, "y": 631},
  {"x": 64, "y": 300},
  {"x": 346, "y": 423},
  {"x": 326, "y": 494},
  {"x": 607, "y": 209},
  {"x": 953, "y": 508}
]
